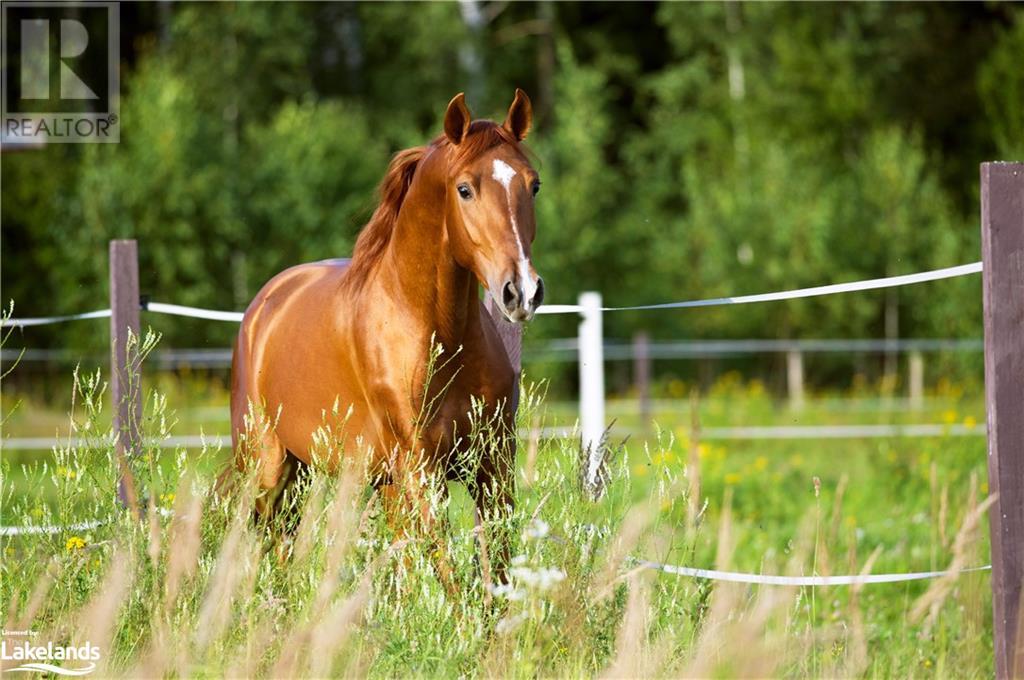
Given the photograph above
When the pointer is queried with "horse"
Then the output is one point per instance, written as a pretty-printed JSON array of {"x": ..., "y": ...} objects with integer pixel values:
[{"x": 362, "y": 337}]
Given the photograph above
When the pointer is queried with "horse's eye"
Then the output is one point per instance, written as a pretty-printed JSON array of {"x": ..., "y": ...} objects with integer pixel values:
[
  {"x": 536, "y": 187},
  {"x": 464, "y": 192}
]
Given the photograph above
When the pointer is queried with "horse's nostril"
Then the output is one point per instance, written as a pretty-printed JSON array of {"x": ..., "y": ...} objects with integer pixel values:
[
  {"x": 538, "y": 297},
  {"x": 509, "y": 295}
]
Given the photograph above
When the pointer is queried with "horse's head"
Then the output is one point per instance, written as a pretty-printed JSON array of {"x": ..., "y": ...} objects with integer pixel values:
[{"x": 489, "y": 192}]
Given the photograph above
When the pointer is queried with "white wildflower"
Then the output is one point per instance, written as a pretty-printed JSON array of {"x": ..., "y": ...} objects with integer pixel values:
[
  {"x": 508, "y": 591},
  {"x": 537, "y": 530},
  {"x": 509, "y": 624}
]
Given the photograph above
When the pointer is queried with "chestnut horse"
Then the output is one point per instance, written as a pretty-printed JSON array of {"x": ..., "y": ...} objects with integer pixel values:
[{"x": 325, "y": 338}]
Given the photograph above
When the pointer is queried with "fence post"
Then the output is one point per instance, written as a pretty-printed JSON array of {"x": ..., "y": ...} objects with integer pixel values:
[
  {"x": 1002, "y": 251},
  {"x": 512, "y": 337},
  {"x": 642, "y": 376},
  {"x": 916, "y": 380},
  {"x": 591, "y": 344},
  {"x": 125, "y": 388},
  {"x": 795, "y": 378}
]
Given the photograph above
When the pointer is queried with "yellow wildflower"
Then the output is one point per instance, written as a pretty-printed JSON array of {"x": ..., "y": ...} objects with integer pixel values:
[
  {"x": 760, "y": 463},
  {"x": 732, "y": 478},
  {"x": 970, "y": 422},
  {"x": 74, "y": 543},
  {"x": 639, "y": 470},
  {"x": 949, "y": 417}
]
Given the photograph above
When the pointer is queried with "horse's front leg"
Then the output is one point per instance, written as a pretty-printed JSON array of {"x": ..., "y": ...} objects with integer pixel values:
[
  {"x": 493, "y": 491},
  {"x": 416, "y": 508}
]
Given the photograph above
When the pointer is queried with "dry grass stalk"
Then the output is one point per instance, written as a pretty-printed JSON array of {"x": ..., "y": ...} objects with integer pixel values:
[
  {"x": 38, "y": 597},
  {"x": 183, "y": 542},
  {"x": 625, "y": 541},
  {"x": 99, "y": 617},
  {"x": 693, "y": 464},
  {"x": 153, "y": 520},
  {"x": 856, "y": 661},
  {"x": 532, "y": 447},
  {"x": 312, "y": 510},
  {"x": 732, "y": 641},
  {"x": 631, "y": 640},
  {"x": 943, "y": 515},
  {"x": 837, "y": 509},
  {"x": 927, "y": 606},
  {"x": 236, "y": 556}
]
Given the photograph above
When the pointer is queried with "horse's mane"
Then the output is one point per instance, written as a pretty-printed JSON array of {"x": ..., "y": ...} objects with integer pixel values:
[{"x": 372, "y": 242}]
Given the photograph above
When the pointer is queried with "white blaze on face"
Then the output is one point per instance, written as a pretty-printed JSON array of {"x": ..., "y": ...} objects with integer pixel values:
[{"x": 504, "y": 173}]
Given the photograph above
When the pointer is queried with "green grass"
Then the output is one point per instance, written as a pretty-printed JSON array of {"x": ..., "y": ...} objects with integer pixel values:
[{"x": 799, "y": 507}]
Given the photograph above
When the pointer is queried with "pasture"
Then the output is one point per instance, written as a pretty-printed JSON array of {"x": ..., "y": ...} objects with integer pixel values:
[{"x": 210, "y": 597}]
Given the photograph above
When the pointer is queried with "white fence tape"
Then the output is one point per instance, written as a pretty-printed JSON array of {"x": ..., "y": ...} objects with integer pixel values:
[
  {"x": 194, "y": 312},
  {"x": 765, "y": 579},
  {"x": 44, "y": 320},
  {"x": 37, "y": 530},
  {"x": 710, "y": 574},
  {"x": 870, "y": 284}
]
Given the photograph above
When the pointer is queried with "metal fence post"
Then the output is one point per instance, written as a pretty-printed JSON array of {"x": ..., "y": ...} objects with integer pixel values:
[
  {"x": 591, "y": 344},
  {"x": 125, "y": 375},
  {"x": 1002, "y": 250}
]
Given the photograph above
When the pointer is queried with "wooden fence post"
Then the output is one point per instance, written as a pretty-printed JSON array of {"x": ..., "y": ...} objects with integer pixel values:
[
  {"x": 642, "y": 376},
  {"x": 916, "y": 380},
  {"x": 591, "y": 358},
  {"x": 795, "y": 378},
  {"x": 512, "y": 337},
  {"x": 1002, "y": 249},
  {"x": 125, "y": 377}
]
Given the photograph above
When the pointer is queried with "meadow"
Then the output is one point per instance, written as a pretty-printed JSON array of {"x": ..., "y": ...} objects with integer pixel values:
[{"x": 197, "y": 589}]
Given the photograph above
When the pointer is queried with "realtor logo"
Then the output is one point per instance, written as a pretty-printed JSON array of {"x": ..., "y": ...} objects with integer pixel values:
[{"x": 60, "y": 76}]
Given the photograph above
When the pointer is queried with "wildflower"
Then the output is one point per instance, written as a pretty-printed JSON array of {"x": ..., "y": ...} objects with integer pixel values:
[
  {"x": 639, "y": 470},
  {"x": 74, "y": 543},
  {"x": 167, "y": 499},
  {"x": 949, "y": 417},
  {"x": 537, "y": 530},
  {"x": 732, "y": 478},
  {"x": 703, "y": 450},
  {"x": 509, "y": 624},
  {"x": 970, "y": 422},
  {"x": 541, "y": 579},
  {"x": 817, "y": 485},
  {"x": 508, "y": 591},
  {"x": 760, "y": 463}
]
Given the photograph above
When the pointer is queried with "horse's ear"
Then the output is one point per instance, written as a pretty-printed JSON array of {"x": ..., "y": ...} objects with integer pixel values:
[
  {"x": 520, "y": 116},
  {"x": 456, "y": 119}
]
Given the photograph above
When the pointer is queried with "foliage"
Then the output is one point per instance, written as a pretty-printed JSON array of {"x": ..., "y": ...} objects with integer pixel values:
[{"x": 701, "y": 150}]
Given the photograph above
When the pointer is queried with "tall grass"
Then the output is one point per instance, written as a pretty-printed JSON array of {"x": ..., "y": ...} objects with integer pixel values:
[{"x": 198, "y": 588}]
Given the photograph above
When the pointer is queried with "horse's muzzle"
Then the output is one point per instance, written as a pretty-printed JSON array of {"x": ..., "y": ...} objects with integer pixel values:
[{"x": 520, "y": 299}]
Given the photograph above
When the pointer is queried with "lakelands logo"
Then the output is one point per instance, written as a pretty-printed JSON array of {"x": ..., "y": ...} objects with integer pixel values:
[
  {"x": 38, "y": 657},
  {"x": 61, "y": 78}
]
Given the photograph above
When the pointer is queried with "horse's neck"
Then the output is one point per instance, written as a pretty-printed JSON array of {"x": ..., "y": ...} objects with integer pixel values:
[{"x": 420, "y": 265}]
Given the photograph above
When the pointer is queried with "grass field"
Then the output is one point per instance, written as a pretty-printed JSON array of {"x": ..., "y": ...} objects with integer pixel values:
[{"x": 203, "y": 592}]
